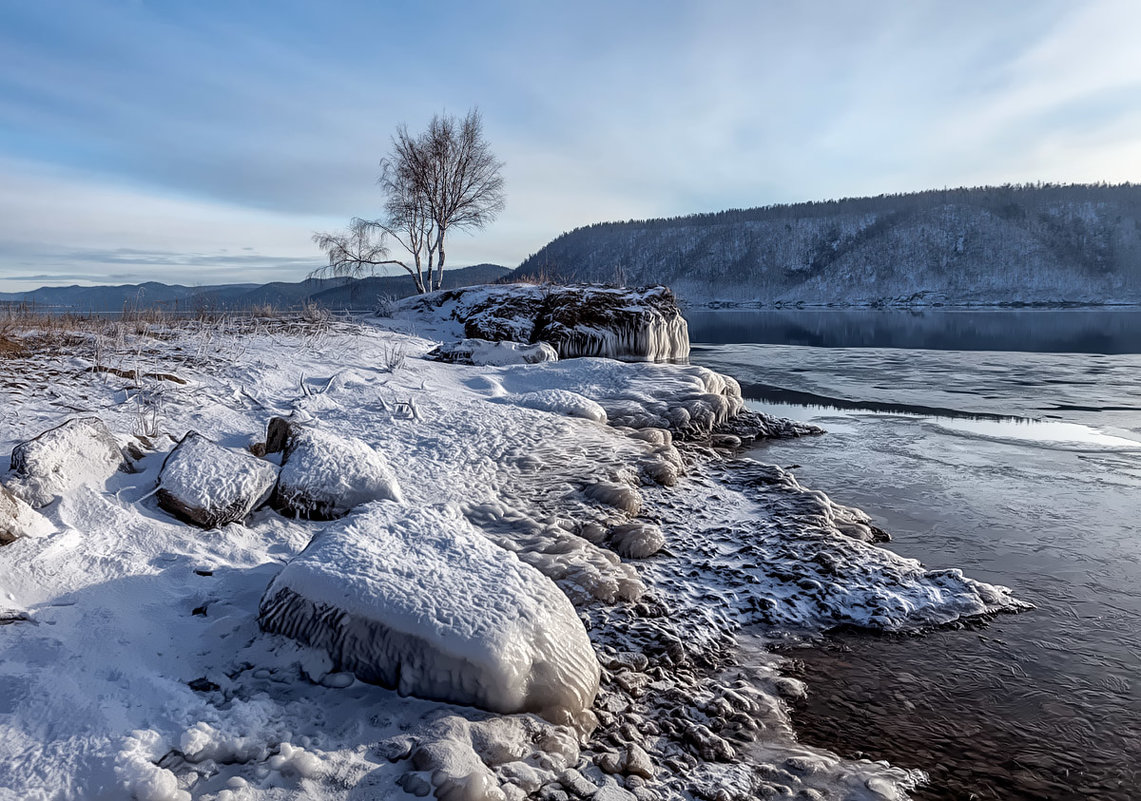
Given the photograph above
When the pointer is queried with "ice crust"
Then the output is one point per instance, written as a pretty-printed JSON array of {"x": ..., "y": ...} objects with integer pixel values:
[
  {"x": 325, "y": 475},
  {"x": 209, "y": 485},
  {"x": 418, "y": 600},
  {"x": 80, "y": 451}
]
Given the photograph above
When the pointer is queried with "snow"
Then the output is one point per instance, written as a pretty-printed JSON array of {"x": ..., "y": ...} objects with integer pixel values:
[
  {"x": 418, "y": 600},
  {"x": 480, "y": 352},
  {"x": 133, "y": 654},
  {"x": 17, "y": 519},
  {"x": 325, "y": 475},
  {"x": 209, "y": 485},
  {"x": 79, "y": 451}
]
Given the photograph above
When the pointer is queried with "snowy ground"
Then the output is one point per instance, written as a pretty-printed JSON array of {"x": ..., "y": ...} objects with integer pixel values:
[{"x": 133, "y": 665}]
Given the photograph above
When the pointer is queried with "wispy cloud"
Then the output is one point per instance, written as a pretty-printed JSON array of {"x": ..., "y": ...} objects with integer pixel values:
[{"x": 190, "y": 131}]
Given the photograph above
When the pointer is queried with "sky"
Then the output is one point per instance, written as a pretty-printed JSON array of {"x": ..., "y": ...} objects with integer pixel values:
[{"x": 205, "y": 142}]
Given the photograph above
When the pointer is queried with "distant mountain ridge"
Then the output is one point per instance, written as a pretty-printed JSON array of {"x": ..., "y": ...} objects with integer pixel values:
[
  {"x": 1026, "y": 244},
  {"x": 339, "y": 293}
]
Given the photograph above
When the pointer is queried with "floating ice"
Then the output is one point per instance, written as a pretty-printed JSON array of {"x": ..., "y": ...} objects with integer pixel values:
[
  {"x": 18, "y": 519},
  {"x": 324, "y": 475},
  {"x": 209, "y": 485},
  {"x": 420, "y": 601},
  {"x": 483, "y": 352},
  {"x": 81, "y": 451}
]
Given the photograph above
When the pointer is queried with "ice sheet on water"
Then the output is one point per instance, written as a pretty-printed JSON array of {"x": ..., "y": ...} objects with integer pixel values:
[{"x": 418, "y": 600}]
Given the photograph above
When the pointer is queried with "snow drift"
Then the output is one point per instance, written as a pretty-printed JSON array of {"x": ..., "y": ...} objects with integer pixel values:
[
  {"x": 418, "y": 600},
  {"x": 17, "y": 519},
  {"x": 483, "y": 352}
]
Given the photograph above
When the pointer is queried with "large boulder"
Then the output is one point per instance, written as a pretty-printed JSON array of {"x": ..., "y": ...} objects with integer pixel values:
[
  {"x": 80, "y": 451},
  {"x": 324, "y": 475},
  {"x": 18, "y": 519},
  {"x": 209, "y": 485},
  {"x": 577, "y": 320},
  {"x": 419, "y": 601}
]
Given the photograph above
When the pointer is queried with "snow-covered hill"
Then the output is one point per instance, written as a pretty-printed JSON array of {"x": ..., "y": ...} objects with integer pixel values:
[{"x": 1001, "y": 245}]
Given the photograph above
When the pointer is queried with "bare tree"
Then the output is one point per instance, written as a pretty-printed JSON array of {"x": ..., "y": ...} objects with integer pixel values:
[{"x": 444, "y": 178}]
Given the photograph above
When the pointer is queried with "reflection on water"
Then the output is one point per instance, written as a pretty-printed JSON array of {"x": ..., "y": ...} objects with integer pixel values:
[
  {"x": 1101, "y": 330},
  {"x": 1041, "y": 705}
]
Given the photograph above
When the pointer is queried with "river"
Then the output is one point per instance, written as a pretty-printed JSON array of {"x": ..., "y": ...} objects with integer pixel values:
[{"x": 1004, "y": 443}]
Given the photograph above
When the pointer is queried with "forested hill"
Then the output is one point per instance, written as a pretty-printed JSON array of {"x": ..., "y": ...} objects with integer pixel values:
[{"x": 989, "y": 245}]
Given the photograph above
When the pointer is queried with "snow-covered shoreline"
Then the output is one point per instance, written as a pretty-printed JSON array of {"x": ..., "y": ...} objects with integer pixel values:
[{"x": 135, "y": 664}]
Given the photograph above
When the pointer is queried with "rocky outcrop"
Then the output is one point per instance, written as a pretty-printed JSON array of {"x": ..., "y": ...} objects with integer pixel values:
[
  {"x": 577, "y": 320},
  {"x": 208, "y": 485},
  {"x": 81, "y": 451}
]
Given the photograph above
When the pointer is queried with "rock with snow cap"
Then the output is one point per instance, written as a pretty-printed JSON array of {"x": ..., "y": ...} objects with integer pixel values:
[
  {"x": 209, "y": 485},
  {"x": 325, "y": 475},
  {"x": 419, "y": 600},
  {"x": 80, "y": 451},
  {"x": 495, "y": 354}
]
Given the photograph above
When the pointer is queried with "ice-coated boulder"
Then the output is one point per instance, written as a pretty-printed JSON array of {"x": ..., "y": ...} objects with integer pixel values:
[
  {"x": 324, "y": 475},
  {"x": 418, "y": 600},
  {"x": 636, "y": 540},
  {"x": 495, "y": 354},
  {"x": 558, "y": 401},
  {"x": 577, "y": 320},
  {"x": 209, "y": 485},
  {"x": 81, "y": 451},
  {"x": 17, "y": 519}
]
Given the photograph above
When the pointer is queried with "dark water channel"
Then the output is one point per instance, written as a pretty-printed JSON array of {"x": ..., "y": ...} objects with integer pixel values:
[{"x": 1022, "y": 467}]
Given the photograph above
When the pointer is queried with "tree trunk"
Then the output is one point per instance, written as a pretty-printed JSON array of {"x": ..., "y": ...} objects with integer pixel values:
[{"x": 440, "y": 263}]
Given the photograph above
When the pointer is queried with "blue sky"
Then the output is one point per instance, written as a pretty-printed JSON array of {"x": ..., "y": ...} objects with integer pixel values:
[{"x": 204, "y": 142}]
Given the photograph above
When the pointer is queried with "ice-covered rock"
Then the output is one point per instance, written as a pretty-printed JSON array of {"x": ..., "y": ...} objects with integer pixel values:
[
  {"x": 630, "y": 324},
  {"x": 483, "y": 352},
  {"x": 81, "y": 451},
  {"x": 578, "y": 320},
  {"x": 324, "y": 475},
  {"x": 209, "y": 485},
  {"x": 18, "y": 519},
  {"x": 636, "y": 540},
  {"x": 418, "y": 600}
]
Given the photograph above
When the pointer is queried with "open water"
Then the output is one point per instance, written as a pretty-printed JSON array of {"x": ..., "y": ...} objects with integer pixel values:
[{"x": 1007, "y": 444}]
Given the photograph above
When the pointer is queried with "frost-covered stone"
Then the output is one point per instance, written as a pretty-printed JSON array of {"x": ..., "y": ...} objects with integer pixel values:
[
  {"x": 209, "y": 485},
  {"x": 18, "y": 519},
  {"x": 418, "y": 600},
  {"x": 636, "y": 540},
  {"x": 497, "y": 354},
  {"x": 324, "y": 475},
  {"x": 81, "y": 451}
]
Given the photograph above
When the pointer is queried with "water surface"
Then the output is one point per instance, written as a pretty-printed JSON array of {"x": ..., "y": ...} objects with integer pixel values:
[{"x": 1023, "y": 468}]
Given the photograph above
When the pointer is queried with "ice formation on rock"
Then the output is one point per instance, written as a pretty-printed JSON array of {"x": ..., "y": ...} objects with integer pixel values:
[
  {"x": 578, "y": 320},
  {"x": 636, "y": 540},
  {"x": 209, "y": 485},
  {"x": 18, "y": 519},
  {"x": 80, "y": 451},
  {"x": 324, "y": 475},
  {"x": 418, "y": 600},
  {"x": 483, "y": 352}
]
